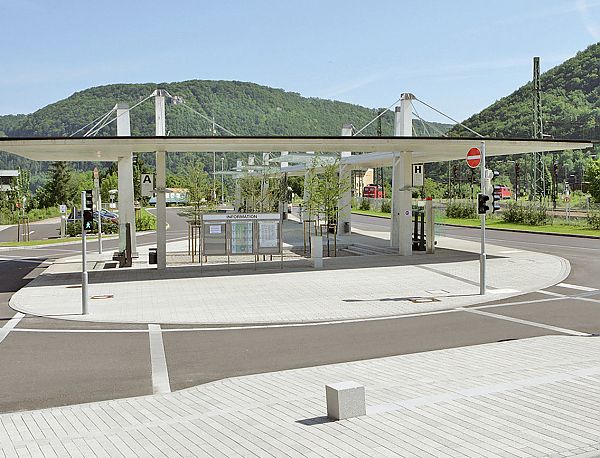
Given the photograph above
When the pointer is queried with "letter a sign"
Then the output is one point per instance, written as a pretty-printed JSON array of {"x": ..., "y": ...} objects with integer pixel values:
[{"x": 147, "y": 184}]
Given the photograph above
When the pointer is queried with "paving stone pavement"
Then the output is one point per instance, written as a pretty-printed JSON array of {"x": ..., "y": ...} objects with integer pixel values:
[
  {"x": 537, "y": 397},
  {"x": 509, "y": 399}
]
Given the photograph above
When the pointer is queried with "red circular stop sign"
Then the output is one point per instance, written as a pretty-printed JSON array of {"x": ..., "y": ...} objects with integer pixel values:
[{"x": 474, "y": 157}]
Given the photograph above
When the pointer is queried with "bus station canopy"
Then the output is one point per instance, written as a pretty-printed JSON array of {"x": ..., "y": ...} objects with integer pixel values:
[{"x": 379, "y": 149}]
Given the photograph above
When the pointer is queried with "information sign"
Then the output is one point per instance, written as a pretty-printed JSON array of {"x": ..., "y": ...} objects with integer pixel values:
[
  {"x": 241, "y": 237},
  {"x": 267, "y": 234}
]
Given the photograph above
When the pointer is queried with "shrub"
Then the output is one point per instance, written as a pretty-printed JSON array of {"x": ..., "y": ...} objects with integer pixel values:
[
  {"x": 532, "y": 214},
  {"x": 594, "y": 220},
  {"x": 74, "y": 229},
  {"x": 365, "y": 204},
  {"x": 145, "y": 222},
  {"x": 461, "y": 210},
  {"x": 386, "y": 206},
  {"x": 513, "y": 213}
]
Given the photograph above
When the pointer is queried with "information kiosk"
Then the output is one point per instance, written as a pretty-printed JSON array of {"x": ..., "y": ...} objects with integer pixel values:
[{"x": 233, "y": 234}]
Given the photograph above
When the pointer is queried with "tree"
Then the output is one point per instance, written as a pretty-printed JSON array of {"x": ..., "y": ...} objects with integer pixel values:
[
  {"x": 108, "y": 183},
  {"x": 199, "y": 190},
  {"x": 250, "y": 190},
  {"x": 592, "y": 176},
  {"x": 325, "y": 188},
  {"x": 58, "y": 189},
  {"x": 21, "y": 188}
]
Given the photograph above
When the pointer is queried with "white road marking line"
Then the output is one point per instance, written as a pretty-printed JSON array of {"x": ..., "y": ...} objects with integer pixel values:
[
  {"x": 484, "y": 390},
  {"x": 9, "y": 326},
  {"x": 158, "y": 360},
  {"x": 581, "y": 288},
  {"x": 511, "y": 251},
  {"x": 27, "y": 260},
  {"x": 550, "y": 293},
  {"x": 503, "y": 291},
  {"x": 528, "y": 323}
]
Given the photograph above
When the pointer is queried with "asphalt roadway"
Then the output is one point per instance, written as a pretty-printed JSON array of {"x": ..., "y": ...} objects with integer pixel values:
[{"x": 63, "y": 366}]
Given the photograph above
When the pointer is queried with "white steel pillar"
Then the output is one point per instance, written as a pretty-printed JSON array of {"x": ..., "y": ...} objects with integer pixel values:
[
  {"x": 238, "y": 187},
  {"x": 125, "y": 177},
  {"x": 401, "y": 232},
  {"x": 344, "y": 204},
  {"x": 161, "y": 184}
]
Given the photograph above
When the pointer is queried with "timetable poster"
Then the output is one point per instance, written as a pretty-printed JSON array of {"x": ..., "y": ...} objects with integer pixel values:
[
  {"x": 267, "y": 234},
  {"x": 241, "y": 237}
]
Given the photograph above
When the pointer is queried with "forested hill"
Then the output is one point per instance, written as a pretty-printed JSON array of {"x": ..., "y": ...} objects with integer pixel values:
[
  {"x": 242, "y": 108},
  {"x": 570, "y": 104}
]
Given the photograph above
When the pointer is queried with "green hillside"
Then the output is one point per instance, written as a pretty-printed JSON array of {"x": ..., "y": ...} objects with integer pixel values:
[
  {"x": 242, "y": 108},
  {"x": 570, "y": 104}
]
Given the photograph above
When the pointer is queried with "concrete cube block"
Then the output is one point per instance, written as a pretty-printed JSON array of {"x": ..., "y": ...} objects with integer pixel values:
[
  {"x": 345, "y": 400},
  {"x": 316, "y": 251}
]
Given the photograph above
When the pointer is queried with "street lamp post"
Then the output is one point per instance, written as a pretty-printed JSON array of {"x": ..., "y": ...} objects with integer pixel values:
[{"x": 222, "y": 189}]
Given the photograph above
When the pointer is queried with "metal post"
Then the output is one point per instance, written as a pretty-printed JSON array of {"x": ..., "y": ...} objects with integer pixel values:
[
  {"x": 482, "y": 256},
  {"x": 222, "y": 182},
  {"x": 161, "y": 204},
  {"x": 99, "y": 222},
  {"x": 84, "y": 274}
]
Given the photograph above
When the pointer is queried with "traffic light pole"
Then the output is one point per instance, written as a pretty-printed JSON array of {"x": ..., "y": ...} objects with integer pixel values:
[
  {"x": 482, "y": 256},
  {"x": 84, "y": 274}
]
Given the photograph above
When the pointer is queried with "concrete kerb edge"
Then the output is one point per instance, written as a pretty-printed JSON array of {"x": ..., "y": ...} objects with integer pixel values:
[
  {"x": 501, "y": 229},
  {"x": 490, "y": 297}
]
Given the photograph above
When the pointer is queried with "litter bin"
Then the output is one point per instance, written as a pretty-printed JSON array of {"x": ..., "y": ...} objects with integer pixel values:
[
  {"x": 152, "y": 256},
  {"x": 346, "y": 227}
]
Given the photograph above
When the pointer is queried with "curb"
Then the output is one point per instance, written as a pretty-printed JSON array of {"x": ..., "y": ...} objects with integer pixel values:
[{"x": 526, "y": 231}]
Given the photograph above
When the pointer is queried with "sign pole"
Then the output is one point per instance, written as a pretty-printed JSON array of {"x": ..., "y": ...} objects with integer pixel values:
[
  {"x": 482, "y": 256},
  {"x": 84, "y": 274},
  {"x": 99, "y": 207}
]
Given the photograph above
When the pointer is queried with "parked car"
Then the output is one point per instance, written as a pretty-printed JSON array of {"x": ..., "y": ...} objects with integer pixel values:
[
  {"x": 105, "y": 215},
  {"x": 109, "y": 215}
]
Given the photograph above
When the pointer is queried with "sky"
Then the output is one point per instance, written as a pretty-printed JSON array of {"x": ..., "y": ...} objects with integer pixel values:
[{"x": 458, "y": 57}]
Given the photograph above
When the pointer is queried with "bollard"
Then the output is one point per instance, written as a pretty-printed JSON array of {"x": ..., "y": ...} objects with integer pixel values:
[
  {"x": 430, "y": 229},
  {"x": 345, "y": 400},
  {"x": 316, "y": 251}
]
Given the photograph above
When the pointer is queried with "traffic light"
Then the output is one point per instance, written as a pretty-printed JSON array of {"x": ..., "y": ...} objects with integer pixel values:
[
  {"x": 482, "y": 206},
  {"x": 517, "y": 171},
  {"x": 88, "y": 213},
  {"x": 88, "y": 220},
  {"x": 493, "y": 192},
  {"x": 89, "y": 200},
  {"x": 455, "y": 170}
]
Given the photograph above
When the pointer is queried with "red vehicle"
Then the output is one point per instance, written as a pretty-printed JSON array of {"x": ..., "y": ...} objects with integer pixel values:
[
  {"x": 502, "y": 193},
  {"x": 374, "y": 191}
]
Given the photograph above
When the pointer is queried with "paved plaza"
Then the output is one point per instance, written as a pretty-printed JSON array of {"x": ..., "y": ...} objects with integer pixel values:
[{"x": 523, "y": 398}]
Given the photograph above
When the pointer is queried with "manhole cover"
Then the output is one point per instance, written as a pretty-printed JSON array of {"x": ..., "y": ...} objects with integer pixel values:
[{"x": 420, "y": 300}]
